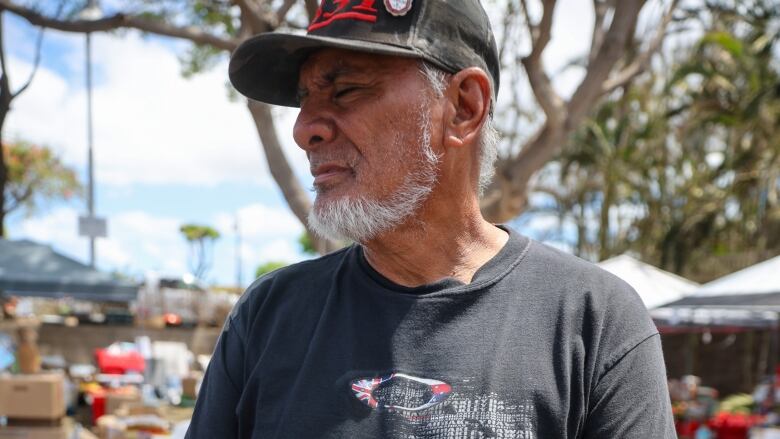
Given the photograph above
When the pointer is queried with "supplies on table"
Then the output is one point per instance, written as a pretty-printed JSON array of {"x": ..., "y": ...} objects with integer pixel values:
[
  {"x": 120, "y": 358},
  {"x": 37, "y": 397},
  {"x": 106, "y": 401},
  {"x": 34, "y": 405},
  {"x": 765, "y": 433},
  {"x": 133, "y": 422},
  {"x": 692, "y": 405}
]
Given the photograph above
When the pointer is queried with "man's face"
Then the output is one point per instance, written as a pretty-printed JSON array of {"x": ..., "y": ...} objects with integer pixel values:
[{"x": 366, "y": 128}]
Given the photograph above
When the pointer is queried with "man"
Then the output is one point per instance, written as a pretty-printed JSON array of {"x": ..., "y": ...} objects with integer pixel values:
[{"x": 436, "y": 323}]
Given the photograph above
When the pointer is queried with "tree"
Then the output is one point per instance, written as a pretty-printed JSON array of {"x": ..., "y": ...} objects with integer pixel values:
[
  {"x": 306, "y": 244},
  {"x": 217, "y": 27},
  {"x": 269, "y": 267},
  {"x": 35, "y": 175},
  {"x": 201, "y": 243},
  {"x": 615, "y": 57},
  {"x": 6, "y": 97},
  {"x": 681, "y": 166}
]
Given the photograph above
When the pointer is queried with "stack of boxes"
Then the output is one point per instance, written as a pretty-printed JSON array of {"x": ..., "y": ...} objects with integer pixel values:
[{"x": 34, "y": 405}]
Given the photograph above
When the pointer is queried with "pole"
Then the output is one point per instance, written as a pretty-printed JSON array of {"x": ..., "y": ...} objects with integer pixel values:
[{"x": 90, "y": 181}]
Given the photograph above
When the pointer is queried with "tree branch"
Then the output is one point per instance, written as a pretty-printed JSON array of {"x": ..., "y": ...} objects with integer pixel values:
[
  {"x": 600, "y": 8},
  {"x": 614, "y": 46},
  {"x": 543, "y": 30},
  {"x": 4, "y": 73},
  {"x": 311, "y": 8},
  {"x": 281, "y": 13},
  {"x": 258, "y": 21},
  {"x": 192, "y": 33},
  {"x": 552, "y": 104},
  {"x": 643, "y": 59},
  {"x": 36, "y": 63},
  {"x": 527, "y": 16}
]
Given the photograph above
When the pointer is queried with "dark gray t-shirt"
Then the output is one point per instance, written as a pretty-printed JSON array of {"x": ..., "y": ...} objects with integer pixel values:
[{"x": 539, "y": 345}]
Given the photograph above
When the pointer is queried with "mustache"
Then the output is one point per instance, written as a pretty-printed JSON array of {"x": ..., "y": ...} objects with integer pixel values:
[{"x": 331, "y": 159}]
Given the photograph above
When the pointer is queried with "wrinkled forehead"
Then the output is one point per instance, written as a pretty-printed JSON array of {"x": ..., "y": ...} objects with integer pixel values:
[{"x": 327, "y": 65}]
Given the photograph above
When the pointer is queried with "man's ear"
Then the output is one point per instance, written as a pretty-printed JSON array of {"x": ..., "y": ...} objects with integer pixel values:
[{"x": 469, "y": 97}]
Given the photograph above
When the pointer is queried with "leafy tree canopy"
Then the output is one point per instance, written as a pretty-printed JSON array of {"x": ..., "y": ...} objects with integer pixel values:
[
  {"x": 36, "y": 175},
  {"x": 197, "y": 232},
  {"x": 201, "y": 240},
  {"x": 269, "y": 267}
]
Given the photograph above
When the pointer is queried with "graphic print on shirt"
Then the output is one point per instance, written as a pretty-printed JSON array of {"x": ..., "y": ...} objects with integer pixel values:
[
  {"x": 399, "y": 391},
  {"x": 416, "y": 407}
]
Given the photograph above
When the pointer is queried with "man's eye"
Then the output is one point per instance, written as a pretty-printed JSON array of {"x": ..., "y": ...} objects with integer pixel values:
[{"x": 345, "y": 91}]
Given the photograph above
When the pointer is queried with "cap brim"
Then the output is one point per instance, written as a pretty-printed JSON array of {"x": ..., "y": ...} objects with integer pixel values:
[{"x": 265, "y": 68}]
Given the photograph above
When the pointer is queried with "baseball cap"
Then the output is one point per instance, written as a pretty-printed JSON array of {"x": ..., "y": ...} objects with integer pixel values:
[{"x": 450, "y": 34}]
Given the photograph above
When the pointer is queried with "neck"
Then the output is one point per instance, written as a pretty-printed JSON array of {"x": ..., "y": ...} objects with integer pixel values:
[{"x": 431, "y": 247}]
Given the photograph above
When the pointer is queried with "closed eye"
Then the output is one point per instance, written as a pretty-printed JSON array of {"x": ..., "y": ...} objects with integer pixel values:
[{"x": 345, "y": 91}]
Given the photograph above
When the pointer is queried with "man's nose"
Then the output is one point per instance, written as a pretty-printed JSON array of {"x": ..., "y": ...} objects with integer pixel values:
[{"x": 313, "y": 128}]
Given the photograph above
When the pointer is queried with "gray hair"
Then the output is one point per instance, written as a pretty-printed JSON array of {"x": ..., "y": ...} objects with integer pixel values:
[{"x": 488, "y": 135}]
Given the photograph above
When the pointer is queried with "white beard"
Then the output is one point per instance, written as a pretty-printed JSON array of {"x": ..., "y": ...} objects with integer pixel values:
[{"x": 361, "y": 219}]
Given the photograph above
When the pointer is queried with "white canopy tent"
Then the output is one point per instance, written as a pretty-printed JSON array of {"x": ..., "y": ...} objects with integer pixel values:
[
  {"x": 761, "y": 278},
  {"x": 755, "y": 287},
  {"x": 656, "y": 287},
  {"x": 748, "y": 297}
]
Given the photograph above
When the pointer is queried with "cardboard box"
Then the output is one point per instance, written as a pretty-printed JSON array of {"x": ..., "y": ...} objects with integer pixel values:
[
  {"x": 191, "y": 384},
  {"x": 24, "y": 432},
  {"x": 34, "y": 397},
  {"x": 116, "y": 400},
  {"x": 64, "y": 431}
]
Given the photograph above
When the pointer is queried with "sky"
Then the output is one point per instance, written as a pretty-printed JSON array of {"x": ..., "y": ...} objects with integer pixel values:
[{"x": 170, "y": 150}]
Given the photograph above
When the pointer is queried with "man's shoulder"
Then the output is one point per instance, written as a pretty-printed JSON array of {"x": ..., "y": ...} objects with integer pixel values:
[
  {"x": 322, "y": 266},
  {"x": 574, "y": 273},
  {"x": 579, "y": 287},
  {"x": 299, "y": 280},
  {"x": 605, "y": 310}
]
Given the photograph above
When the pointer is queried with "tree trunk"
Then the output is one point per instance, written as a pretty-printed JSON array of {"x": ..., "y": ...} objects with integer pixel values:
[
  {"x": 5, "y": 106},
  {"x": 507, "y": 196},
  {"x": 283, "y": 175}
]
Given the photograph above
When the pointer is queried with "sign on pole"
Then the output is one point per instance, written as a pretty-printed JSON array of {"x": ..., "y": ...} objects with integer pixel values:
[{"x": 93, "y": 227}]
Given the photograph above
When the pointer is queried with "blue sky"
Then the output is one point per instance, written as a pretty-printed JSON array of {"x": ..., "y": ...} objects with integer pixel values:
[{"x": 168, "y": 151}]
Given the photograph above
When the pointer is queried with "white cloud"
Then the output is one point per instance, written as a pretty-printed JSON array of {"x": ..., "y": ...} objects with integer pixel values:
[
  {"x": 58, "y": 227},
  {"x": 278, "y": 250},
  {"x": 155, "y": 241},
  {"x": 150, "y": 124},
  {"x": 268, "y": 233},
  {"x": 258, "y": 221},
  {"x": 60, "y": 230},
  {"x": 136, "y": 241}
]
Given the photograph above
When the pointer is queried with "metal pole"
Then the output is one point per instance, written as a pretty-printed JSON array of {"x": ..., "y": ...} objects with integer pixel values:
[{"x": 90, "y": 181}]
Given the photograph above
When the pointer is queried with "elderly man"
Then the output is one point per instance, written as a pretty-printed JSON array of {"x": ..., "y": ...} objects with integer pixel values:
[{"x": 435, "y": 323}]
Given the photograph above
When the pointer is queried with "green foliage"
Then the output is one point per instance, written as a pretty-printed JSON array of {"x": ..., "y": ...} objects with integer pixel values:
[
  {"x": 197, "y": 232},
  {"x": 200, "y": 239},
  {"x": 738, "y": 403},
  {"x": 214, "y": 14},
  {"x": 683, "y": 166},
  {"x": 199, "y": 59},
  {"x": 725, "y": 40},
  {"x": 306, "y": 244},
  {"x": 36, "y": 175},
  {"x": 269, "y": 267}
]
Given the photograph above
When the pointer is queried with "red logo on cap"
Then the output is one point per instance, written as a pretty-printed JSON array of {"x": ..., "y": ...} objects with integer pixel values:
[{"x": 332, "y": 10}]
